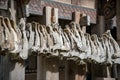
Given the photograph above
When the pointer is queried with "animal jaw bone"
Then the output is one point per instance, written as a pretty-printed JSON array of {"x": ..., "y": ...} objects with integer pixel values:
[
  {"x": 24, "y": 52},
  {"x": 43, "y": 38},
  {"x": 2, "y": 36},
  {"x": 19, "y": 36},
  {"x": 49, "y": 33},
  {"x": 36, "y": 45},
  {"x": 14, "y": 38},
  {"x": 30, "y": 36},
  {"x": 7, "y": 44}
]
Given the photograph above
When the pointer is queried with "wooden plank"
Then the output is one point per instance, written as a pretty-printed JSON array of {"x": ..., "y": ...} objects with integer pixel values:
[
  {"x": 48, "y": 15},
  {"x": 55, "y": 15}
]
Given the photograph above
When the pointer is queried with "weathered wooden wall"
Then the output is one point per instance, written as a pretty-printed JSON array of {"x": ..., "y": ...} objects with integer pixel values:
[
  {"x": 47, "y": 68},
  {"x": 56, "y": 69},
  {"x": 11, "y": 70}
]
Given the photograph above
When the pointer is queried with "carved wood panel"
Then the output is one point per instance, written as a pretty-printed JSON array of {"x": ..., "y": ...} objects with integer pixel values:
[
  {"x": 3, "y": 4},
  {"x": 110, "y": 9}
]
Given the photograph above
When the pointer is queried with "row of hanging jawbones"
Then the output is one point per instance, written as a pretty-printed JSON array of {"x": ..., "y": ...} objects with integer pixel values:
[{"x": 71, "y": 41}]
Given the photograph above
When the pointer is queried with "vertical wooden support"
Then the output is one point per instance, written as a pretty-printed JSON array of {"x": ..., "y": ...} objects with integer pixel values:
[
  {"x": 101, "y": 25},
  {"x": 92, "y": 72},
  {"x": 115, "y": 75},
  {"x": 12, "y": 70},
  {"x": 118, "y": 30},
  {"x": 52, "y": 72},
  {"x": 76, "y": 17},
  {"x": 5, "y": 68},
  {"x": 82, "y": 69},
  {"x": 84, "y": 22},
  {"x": 108, "y": 72},
  {"x": 39, "y": 67},
  {"x": 55, "y": 15},
  {"x": 66, "y": 70},
  {"x": 71, "y": 70},
  {"x": 47, "y": 69},
  {"x": 118, "y": 71},
  {"x": 17, "y": 72},
  {"x": 51, "y": 15},
  {"x": 48, "y": 15},
  {"x": 118, "y": 20},
  {"x": 76, "y": 73},
  {"x": 44, "y": 68}
]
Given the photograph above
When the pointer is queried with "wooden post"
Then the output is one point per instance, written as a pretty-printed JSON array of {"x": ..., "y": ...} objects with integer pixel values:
[
  {"x": 48, "y": 15},
  {"x": 55, "y": 15},
  {"x": 118, "y": 20},
  {"x": 92, "y": 72},
  {"x": 39, "y": 67},
  {"x": 76, "y": 73},
  {"x": 63, "y": 69},
  {"x": 82, "y": 69},
  {"x": 17, "y": 72},
  {"x": 76, "y": 17},
  {"x": 66, "y": 70},
  {"x": 12, "y": 70},
  {"x": 47, "y": 69},
  {"x": 108, "y": 72},
  {"x": 84, "y": 22},
  {"x": 118, "y": 69},
  {"x": 44, "y": 68},
  {"x": 4, "y": 69},
  {"x": 101, "y": 25},
  {"x": 115, "y": 74},
  {"x": 52, "y": 72}
]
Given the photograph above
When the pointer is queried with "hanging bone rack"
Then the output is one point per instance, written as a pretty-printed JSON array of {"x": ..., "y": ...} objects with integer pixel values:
[{"x": 24, "y": 39}]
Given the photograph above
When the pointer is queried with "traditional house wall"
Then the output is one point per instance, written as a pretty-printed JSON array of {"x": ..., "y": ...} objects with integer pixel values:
[
  {"x": 52, "y": 68},
  {"x": 83, "y": 3}
]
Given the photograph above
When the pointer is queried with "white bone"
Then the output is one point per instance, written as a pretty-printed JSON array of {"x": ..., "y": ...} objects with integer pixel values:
[{"x": 24, "y": 52}]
